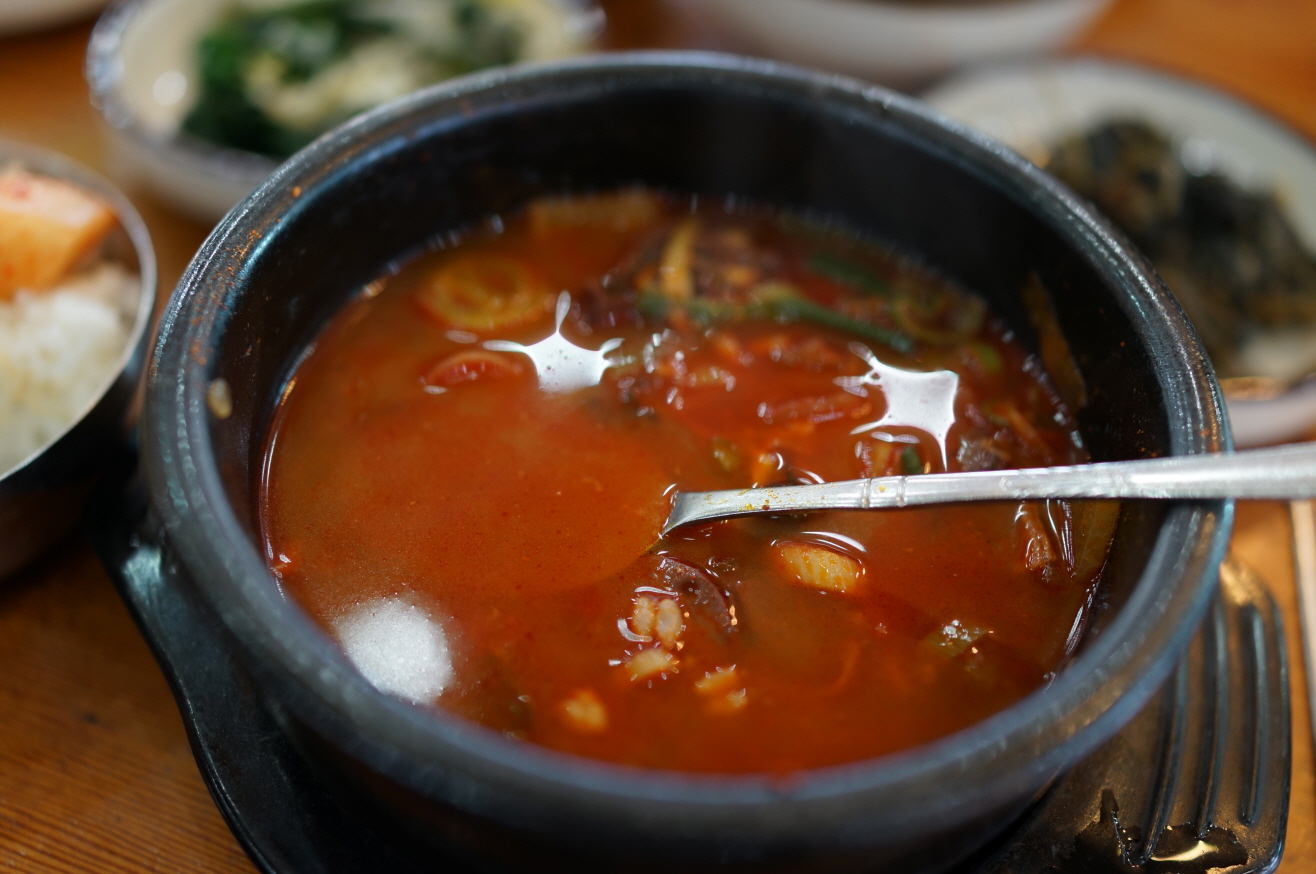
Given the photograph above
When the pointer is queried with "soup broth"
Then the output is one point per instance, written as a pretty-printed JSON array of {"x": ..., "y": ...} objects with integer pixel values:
[{"x": 466, "y": 482}]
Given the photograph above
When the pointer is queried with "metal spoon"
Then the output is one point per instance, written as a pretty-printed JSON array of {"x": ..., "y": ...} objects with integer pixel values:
[{"x": 1280, "y": 473}]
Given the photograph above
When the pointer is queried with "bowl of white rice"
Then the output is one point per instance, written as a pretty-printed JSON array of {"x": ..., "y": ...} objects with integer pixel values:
[{"x": 77, "y": 289}]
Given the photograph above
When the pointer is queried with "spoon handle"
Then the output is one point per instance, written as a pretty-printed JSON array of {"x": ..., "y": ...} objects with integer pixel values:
[{"x": 1281, "y": 473}]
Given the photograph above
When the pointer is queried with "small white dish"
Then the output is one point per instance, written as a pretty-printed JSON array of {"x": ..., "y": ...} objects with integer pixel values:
[
  {"x": 141, "y": 69},
  {"x": 902, "y": 43},
  {"x": 1030, "y": 107}
]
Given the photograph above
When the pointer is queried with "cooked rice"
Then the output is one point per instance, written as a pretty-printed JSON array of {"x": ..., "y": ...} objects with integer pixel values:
[{"x": 58, "y": 350}]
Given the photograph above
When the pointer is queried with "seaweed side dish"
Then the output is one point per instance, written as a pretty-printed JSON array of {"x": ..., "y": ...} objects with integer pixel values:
[{"x": 1230, "y": 255}]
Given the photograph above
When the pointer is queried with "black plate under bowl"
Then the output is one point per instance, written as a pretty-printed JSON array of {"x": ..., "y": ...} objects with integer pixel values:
[{"x": 1198, "y": 782}]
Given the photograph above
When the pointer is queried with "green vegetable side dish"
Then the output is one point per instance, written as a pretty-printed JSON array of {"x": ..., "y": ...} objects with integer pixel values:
[{"x": 272, "y": 78}]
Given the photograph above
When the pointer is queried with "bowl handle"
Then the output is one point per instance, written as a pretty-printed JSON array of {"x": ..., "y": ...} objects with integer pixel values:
[{"x": 285, "y": 816}]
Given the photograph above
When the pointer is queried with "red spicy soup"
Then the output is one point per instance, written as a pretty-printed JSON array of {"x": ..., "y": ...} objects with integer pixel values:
[{"x": 466, "y": 482}]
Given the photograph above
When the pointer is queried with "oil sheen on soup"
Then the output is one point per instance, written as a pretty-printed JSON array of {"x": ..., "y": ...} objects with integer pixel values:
[{"x": 466, "y": 482}]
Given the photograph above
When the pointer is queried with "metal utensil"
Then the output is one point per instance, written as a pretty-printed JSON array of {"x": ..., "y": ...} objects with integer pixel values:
[{"x": 1284, "y": 473}]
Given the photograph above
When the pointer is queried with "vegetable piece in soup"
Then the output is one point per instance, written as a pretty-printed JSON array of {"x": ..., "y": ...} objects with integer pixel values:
[{"x": 483, "y": 447}]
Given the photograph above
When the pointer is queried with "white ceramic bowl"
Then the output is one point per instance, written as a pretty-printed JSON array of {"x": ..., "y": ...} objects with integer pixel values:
[
  {"x": 1030, "y": 107},
  {"x": 902, "y": 43},
  {"x": 142, "y": 72},
  {"x": 140, "y": 68}
]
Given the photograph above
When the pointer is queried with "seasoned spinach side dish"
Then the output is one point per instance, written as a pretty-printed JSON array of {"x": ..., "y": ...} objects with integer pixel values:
[{"x": 272, "y": 79}]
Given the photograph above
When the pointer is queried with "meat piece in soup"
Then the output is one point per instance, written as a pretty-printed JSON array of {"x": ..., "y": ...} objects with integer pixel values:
[{"x": 483, "y": 445}]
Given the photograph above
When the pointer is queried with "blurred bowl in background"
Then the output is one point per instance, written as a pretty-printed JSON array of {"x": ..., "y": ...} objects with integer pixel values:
[
  {"x": 1031, "y": 107},
  {"x": 42, "y": 495},
  {"x": 903, "y": 43},
  {"x": 139, "y": 64},
  {"x": 142, "y": 69},
  {"x": 24, "y": 16}
]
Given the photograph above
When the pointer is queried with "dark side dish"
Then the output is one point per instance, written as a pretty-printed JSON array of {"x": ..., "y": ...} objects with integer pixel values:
[
  {"x": 1229, "y": 254},
  {"x": 466, "y": 480}
]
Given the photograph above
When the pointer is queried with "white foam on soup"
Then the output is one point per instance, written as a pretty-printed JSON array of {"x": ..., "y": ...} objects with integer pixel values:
[{"x": 398, "y": 647}]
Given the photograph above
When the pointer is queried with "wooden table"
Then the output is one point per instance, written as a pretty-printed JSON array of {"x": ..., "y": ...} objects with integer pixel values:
[{"x": 95, "y": 771}]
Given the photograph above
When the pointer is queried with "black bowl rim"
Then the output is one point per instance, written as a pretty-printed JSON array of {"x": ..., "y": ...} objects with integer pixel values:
[{"x": 1001, "y": 759}]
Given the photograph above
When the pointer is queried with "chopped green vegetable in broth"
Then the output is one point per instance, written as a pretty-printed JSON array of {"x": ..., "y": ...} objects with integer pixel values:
[{"x": 847, "y": 272}]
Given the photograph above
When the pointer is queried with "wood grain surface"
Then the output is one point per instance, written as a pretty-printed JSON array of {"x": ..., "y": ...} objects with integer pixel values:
[{"x": 95, "y": 770}]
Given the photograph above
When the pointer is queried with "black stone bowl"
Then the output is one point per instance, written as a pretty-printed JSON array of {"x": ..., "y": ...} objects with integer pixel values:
[{"x": 383, "y": 187}]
